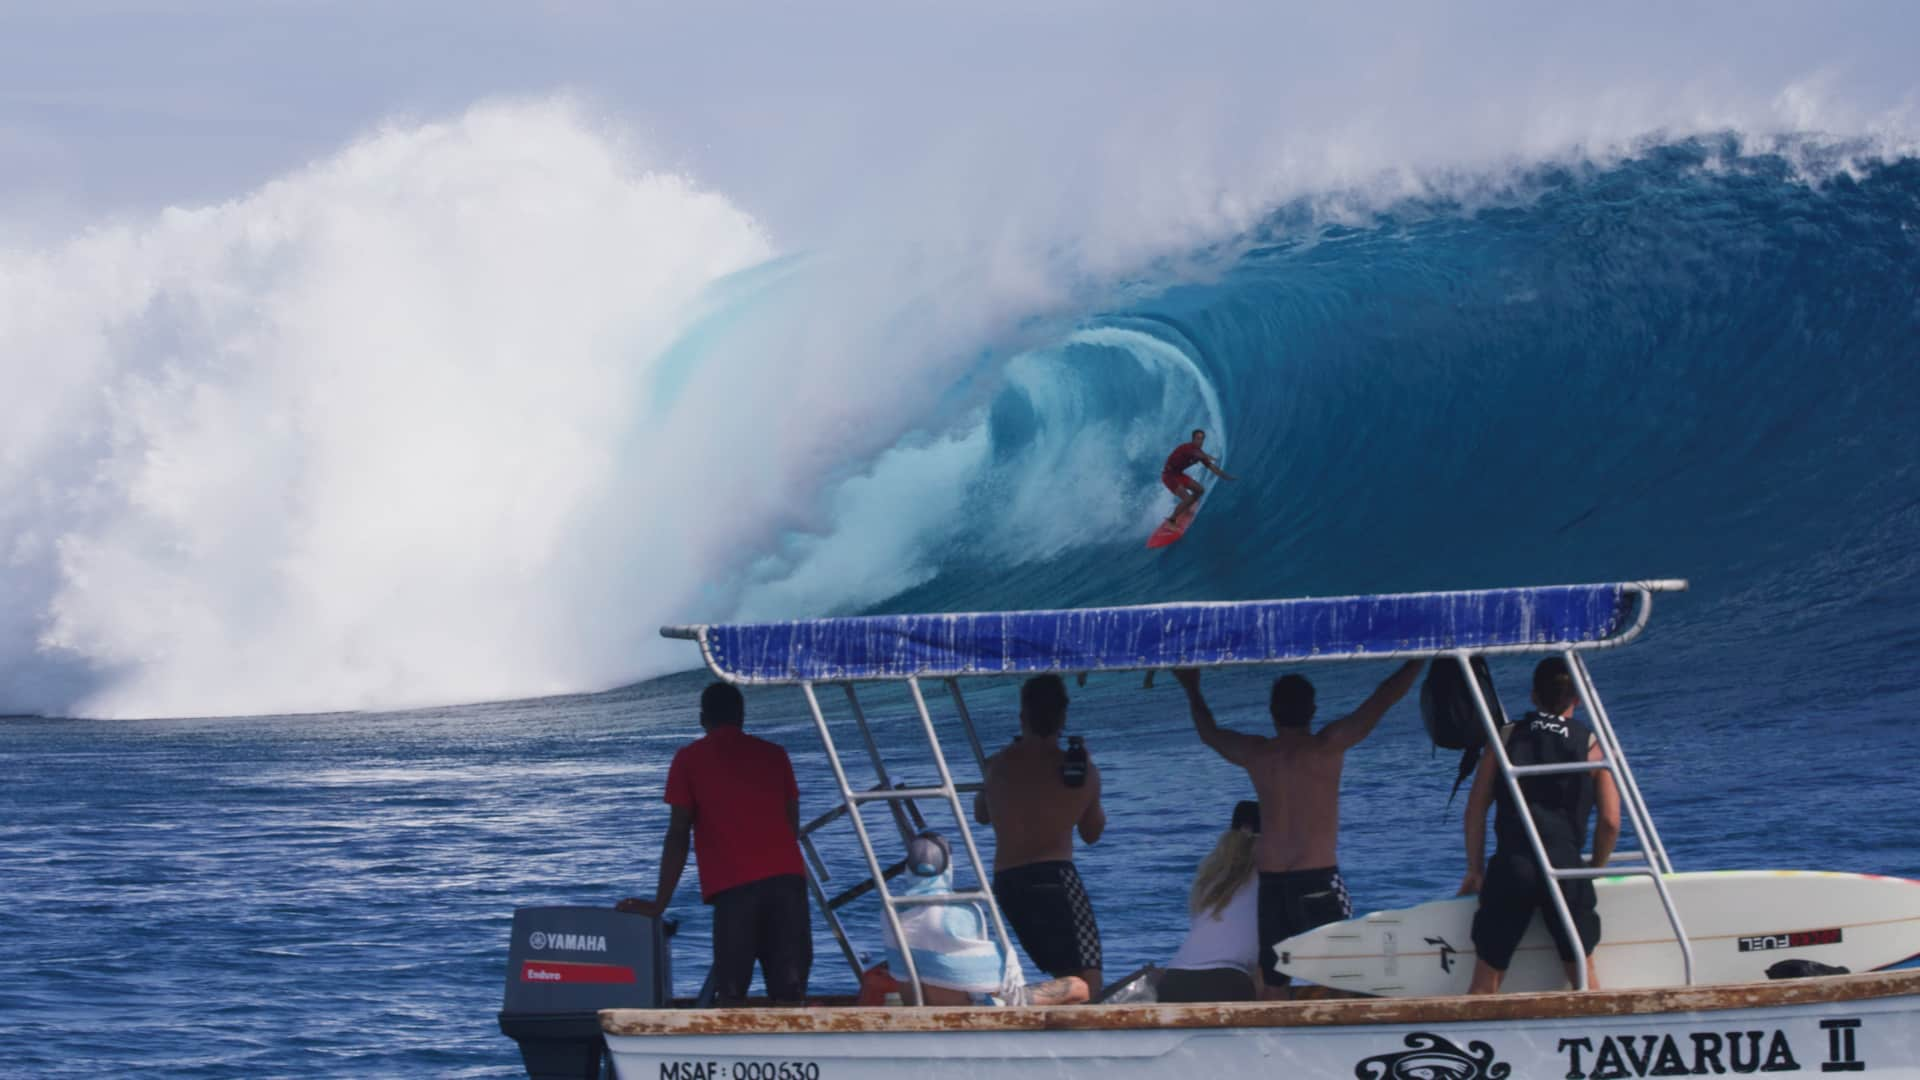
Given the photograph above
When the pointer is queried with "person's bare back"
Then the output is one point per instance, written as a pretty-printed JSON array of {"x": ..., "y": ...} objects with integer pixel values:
[
  {"x": 1297, "y": 778},
  {"x": 1032, "y": 811},
  {"x": 1296, "y": 771},
  {"x": 1036, "y": 796}
]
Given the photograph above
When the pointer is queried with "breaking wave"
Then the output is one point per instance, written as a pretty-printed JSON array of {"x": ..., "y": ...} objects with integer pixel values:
[{"x": 468, "y": 410}]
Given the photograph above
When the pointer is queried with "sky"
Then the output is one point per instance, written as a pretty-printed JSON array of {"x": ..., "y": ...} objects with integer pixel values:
[{"x": 122, "y": 106}]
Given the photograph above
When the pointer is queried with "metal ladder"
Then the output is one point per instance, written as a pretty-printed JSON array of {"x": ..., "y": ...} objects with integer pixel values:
[
  {"x": 907, "y": 819},
  {"x": 1613, "y": 760}
]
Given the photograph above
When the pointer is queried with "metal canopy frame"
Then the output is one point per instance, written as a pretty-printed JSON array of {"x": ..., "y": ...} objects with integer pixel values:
[{"x": 902, "y": 801}]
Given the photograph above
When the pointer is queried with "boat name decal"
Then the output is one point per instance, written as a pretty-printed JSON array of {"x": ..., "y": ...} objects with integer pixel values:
[
  {"x": 1433, "y": 1057},
  {"x": 1704, "y": 1053},
  {"x": 540, "y": 939},
  {"x": 1797, "y": 939},
  {"x": 1618, "y": 1057}
]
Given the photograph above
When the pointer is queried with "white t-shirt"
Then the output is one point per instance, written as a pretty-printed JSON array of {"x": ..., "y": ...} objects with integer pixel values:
[{"x": 1228, "y": 940}]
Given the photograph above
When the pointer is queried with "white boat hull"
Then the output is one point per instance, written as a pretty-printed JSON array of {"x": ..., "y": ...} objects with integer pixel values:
[{"x": 1538, "y": 1035}]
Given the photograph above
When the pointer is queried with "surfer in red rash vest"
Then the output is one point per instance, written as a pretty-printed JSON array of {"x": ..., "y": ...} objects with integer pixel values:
[{"x": 1174, "y": 472}]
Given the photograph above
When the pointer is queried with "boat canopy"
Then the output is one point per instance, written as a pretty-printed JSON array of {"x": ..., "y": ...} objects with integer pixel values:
[
  {"x": 892, "y": 647},
  {"x": 1566, "y": 619}
]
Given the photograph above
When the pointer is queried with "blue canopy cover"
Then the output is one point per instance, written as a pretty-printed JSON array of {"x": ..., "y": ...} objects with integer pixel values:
[{"x": 1168, "y": 635}]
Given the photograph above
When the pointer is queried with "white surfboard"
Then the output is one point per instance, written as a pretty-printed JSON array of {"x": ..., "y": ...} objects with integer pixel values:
[{"x": 1741, "y": 922}]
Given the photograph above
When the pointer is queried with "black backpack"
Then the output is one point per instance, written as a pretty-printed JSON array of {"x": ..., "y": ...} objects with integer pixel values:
[{"x": 1453, "y": 723}]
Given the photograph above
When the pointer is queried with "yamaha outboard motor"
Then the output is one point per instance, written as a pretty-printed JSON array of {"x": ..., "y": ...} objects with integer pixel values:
[{"x": 564, "y": 965}]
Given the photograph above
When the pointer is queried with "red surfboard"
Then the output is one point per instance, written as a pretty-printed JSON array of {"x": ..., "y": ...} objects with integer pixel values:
[{"x": 1169, "y": 531}]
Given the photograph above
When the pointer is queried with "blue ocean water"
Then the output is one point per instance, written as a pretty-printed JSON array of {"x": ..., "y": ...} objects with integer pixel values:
[{"x": 1691, "y": 364}]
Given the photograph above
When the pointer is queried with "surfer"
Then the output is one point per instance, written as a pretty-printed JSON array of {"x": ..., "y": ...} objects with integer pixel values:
[
  {"x": 1511, "y": 886},
  {"x": 1174, "y": 473},
  {"x": 1296, "y": 773}
]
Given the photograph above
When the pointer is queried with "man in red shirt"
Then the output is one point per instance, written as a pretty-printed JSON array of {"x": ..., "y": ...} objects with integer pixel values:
[
  {"x": 1174, "y": 472},
  {"x": 736, "y": 795}
]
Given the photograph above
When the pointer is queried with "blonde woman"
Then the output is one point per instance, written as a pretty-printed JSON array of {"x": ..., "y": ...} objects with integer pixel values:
[{"x": 1220, "y": 960}]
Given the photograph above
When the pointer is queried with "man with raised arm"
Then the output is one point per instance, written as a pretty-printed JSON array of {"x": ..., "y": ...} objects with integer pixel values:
[
  {"x": 735, "y": 796},
  {"x": 1512, "y": 887},
  {"x": 1036, "y": 795},
  {"x": 1296, "y": 774}
]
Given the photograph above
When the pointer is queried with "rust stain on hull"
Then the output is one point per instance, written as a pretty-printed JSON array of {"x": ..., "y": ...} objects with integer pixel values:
[{"x": 1556, "y": 1005}]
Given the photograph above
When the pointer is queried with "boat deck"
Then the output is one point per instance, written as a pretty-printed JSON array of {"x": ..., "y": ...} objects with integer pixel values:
[{"x": 767, "y": 1020}]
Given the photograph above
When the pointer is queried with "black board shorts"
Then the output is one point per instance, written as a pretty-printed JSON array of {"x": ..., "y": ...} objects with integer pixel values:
[
  {"x": 1047, "y": 907},
  {"x": 1294, "y": 902},
  {"x": 1185, "y": 986},
  {"x": 1513, "y": 890},
  {"x": 766, "y": 921}
]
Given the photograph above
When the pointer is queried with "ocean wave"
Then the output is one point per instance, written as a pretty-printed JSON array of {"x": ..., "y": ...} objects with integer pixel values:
[
  {"x": 1692, "y": 362},
  {"x": 469, "y": 409}
]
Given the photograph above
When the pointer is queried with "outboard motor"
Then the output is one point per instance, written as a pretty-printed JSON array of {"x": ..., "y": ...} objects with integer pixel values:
[{"x": 564, "y": 965}]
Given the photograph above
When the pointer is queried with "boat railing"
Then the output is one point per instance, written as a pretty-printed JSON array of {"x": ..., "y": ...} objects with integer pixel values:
[{"x": 903, "y": 803}]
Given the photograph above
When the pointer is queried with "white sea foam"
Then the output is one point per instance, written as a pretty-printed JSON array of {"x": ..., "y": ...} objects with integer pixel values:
[{"x": 370, "y": 435}]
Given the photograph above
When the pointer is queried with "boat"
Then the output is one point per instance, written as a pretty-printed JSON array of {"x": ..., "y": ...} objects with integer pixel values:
[{"x": 1866, "y": 1023}]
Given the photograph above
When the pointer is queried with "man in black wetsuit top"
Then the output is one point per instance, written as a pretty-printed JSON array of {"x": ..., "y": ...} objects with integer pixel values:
[{"x": 1511, "y": 885}]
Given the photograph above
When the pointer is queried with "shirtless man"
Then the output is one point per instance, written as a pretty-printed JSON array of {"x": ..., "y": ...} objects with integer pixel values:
[
  {"x": 1296, "y": 773},
  {"x": 1034, "y": 805}
]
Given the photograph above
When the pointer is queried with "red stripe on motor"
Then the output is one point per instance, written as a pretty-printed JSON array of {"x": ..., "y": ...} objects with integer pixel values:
[{"x": 553, "y": 971}]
